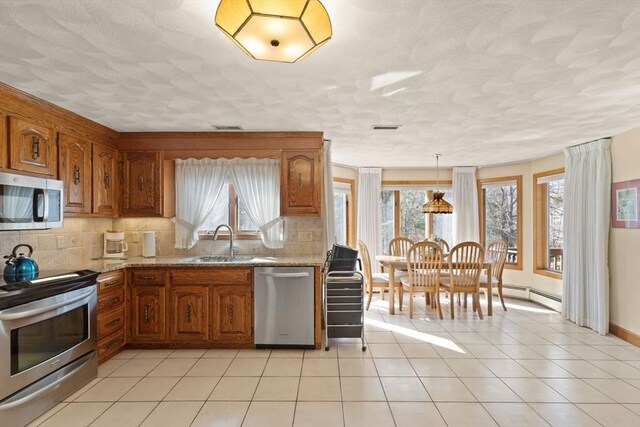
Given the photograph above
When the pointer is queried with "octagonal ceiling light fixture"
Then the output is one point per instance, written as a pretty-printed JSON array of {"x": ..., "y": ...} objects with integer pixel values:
[{"x": 275, "y": 30}]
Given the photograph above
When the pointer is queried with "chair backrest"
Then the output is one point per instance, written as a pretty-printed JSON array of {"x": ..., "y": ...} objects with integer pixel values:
[
  {"x": 400, "y": 246},
  {"x": 424, "y": 261},
  {"x": 366, "y": 262},
  {"x": 465, "y": 265},
  {"x": 443, "y": 244},
  {"x": 496, "y": 254}
]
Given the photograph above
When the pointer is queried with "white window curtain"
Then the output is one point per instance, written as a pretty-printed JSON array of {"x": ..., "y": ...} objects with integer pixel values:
[
  {"x": 369, "y": 225},
  {"x": 257, "y": 182},
  {"x": 587, "y": 207},
  {"x": 327, "y": 210},
  {"x": 465, "y": 205},
  {"x": 198, "y": 185}
]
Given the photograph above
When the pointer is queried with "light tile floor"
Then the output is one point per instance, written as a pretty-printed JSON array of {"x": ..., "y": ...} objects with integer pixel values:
[{"x": 526, "y": 366}]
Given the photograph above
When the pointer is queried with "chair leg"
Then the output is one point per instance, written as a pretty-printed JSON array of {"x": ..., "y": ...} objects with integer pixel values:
[
  {"x": 476, "y": 298},
  {"x": 436, "y": 299},
  {"x": 427, "y": 299},
  {"x": 501, "y": 298},
  {"x": 411, "y": 303},
  {"x": 370, "y": 298},
  {"x": 465, "y": 300},
  {"x": 452, "y": 305},
  {"x": 381, "y": 294},
  {"x": 401, "y": 297}
]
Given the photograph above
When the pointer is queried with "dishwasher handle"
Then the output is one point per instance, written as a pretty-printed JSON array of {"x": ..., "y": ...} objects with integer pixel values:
[{"x": 285, "y": 275}]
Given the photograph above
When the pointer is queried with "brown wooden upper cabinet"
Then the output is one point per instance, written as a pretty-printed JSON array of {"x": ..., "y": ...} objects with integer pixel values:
[
  {"x": 300, "y": 183},
  {"x": 32, "y": 147},
  {"x": 75, "y": 172},
  {"x": 141, "y": 184},
  {"x": 4, "y": 150},
  {"x": 105, "y": 180}
]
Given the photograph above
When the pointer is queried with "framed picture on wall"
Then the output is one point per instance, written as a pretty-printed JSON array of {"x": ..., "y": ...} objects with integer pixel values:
[{"x": 625, "y": 206}]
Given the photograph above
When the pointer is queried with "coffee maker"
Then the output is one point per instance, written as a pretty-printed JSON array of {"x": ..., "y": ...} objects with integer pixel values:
[{"x": 114, "y": 244}]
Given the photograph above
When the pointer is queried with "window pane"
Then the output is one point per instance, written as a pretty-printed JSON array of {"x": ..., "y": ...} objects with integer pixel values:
[
  {"x": 501, "y": 217},
  {"x": 386, "y": 217},
  {"x": 412, "y": 219},
  {"x": 443, "y": 223},
  {"x": 244, "y": 222},
  {"x": 555, "y": 214},
  {"x": 340, "y": 209},
  {"x": 220, "y": 213}
]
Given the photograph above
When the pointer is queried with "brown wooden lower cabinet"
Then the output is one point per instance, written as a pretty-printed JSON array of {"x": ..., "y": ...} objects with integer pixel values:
[
  {"x": 147, "y": 313},
  {"x": 111, "y": 314},
  {"x": 191, "y": 307}
]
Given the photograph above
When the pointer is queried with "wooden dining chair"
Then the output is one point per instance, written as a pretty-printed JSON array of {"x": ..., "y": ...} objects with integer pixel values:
[
  {"x": 400, "y": 246},
  {"x": 374, "y": 280},
  {"x": 424, "y": 262},
  {"x": 496, "y": 254},
  {"x": 443, "y": 244},
  {"x": 465, "y": 266}
]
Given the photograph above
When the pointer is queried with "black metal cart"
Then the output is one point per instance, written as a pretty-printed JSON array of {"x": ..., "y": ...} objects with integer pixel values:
[{"x": 343, "y": 305}]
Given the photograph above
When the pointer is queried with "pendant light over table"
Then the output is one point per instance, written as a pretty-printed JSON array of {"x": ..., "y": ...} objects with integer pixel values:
[
  {"x": 275, "y": 30},
  {"x": 437, "y": 205}
]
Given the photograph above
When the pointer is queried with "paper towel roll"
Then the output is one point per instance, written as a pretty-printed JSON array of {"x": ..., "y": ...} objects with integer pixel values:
[{"x": 149, "y": 244}]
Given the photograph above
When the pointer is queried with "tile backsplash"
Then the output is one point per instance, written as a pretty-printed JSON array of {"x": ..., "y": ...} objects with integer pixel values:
[{"x": 81, "y": 239}]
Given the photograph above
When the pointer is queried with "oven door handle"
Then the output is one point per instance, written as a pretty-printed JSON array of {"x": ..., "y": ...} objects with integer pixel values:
[
  {"x": 21, "y": 313},
  {"x": 43, "y": 390}
]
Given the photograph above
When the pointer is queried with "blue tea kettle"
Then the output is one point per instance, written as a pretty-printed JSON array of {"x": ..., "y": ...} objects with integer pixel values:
[{"x": 20, "y": 267}]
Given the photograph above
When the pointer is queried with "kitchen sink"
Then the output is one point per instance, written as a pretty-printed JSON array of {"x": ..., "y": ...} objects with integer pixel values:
[{"x": 221, "y": 259}]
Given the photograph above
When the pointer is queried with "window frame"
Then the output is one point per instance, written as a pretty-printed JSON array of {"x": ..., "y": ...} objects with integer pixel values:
[
  {"x": 481, "y": 214},
  {"x": 233, "y": 206},
  {"x": 396, "y": 201},
  {"x": 540, "y": 229},
  {"x": 351, "y": 197}
]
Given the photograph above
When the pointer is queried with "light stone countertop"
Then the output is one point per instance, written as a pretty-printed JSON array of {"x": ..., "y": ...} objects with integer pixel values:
[{"x": 104, "y": 265}]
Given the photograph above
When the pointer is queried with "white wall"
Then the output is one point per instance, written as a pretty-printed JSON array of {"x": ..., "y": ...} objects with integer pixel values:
[{"x": 624, "y": 244}]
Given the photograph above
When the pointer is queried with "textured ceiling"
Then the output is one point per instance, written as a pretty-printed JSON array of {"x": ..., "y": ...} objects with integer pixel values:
[{"x": 482, "y": 82}]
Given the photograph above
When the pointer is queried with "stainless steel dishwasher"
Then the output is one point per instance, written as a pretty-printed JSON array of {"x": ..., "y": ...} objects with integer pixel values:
[{"x": 284, "y": 306}]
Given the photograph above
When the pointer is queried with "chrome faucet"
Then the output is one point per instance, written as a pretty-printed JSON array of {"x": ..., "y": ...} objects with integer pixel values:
[{"x": 215, "y": 236}]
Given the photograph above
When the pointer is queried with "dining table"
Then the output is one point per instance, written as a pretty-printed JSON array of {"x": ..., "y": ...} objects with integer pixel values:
[{"x": 393, "y": 262}]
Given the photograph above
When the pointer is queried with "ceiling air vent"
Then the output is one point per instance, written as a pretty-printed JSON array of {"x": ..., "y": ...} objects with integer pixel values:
[
  {"x": 385, "y": 127},
  {"x": 226, "y": 127}
]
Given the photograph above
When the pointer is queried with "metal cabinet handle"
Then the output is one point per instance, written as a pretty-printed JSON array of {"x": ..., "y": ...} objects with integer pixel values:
[
  {"x": 112, "y": 343},
  {"x": 35, "y": 147},
  {"x": 141, "y": 183},
  {"x": 113, "y": 322},
  {"x": 110, "y": 283},
  {"x": 230, "y": 313},
  {"x": 107, "y": 180},
  {"x": 76, "y": 174},
  {"x": 113, "y": 301},
  {"x": 147, "y": 277},
  {"x": 188, "y": 315},
  {"x": 146, "y": 314}
]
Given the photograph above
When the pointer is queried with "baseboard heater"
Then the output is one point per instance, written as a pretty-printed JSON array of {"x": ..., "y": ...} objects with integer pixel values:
[{"x": 548, "y": 300}]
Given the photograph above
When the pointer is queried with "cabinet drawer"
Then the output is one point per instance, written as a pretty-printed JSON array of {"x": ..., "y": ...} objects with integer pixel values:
[
  {"x": 108, "y": 281},
  {"x": 353, "y": 317},
  {"x": 147, "y": 277},
  {"x": 110, "y": 300},
  {"x": 110, "y": 345},
  {"x": 110, "y": 322},
  {"x": 232, "y": 276},
  {"x": 344, "y": 331}
]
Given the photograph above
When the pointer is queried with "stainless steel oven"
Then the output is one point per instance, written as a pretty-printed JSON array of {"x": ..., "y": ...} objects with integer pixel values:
[{"x": 47, "y": 351}]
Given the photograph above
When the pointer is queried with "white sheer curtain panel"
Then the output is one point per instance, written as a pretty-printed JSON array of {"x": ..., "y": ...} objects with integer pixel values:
[
  {"x": 198, "y": 184},
  {"x": 465, "y": 205},
  {"x": 587, "y": 210},
  {"x": 369, "y": 225},
  {"x": 327, "y": 205},
  {"x": 257, "y": 182}
]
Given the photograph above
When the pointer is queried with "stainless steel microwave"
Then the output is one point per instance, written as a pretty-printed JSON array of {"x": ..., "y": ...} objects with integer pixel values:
[{"x": 28, "y": 202}]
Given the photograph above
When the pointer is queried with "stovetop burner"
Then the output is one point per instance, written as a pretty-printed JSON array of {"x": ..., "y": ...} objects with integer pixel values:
[{"x": 48, "y": 283}]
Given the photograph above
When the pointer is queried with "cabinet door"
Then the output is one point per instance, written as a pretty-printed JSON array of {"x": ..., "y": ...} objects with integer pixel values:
[
  {"x": 32, "y": 147},
  {"x": 141, "y": 174},
  {"x": 4, "y": 141},
  {"x": 189, "y": 307},
  {"x": 300, "y": 183},
  {"x": 232, "y": 313},
  {"x": 147, "y": 313},
  {"x": 105, "y": 175},
  {"x": 75, "y": 172}
]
